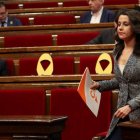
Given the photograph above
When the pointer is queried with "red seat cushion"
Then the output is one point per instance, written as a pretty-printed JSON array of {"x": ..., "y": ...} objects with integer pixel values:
[{"x": 22, "y": 102}]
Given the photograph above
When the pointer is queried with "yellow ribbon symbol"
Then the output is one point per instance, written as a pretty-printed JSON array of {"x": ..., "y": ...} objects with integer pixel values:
[
  {"x": 108, "y": 69},
  {"x": 49, "y": 69}
]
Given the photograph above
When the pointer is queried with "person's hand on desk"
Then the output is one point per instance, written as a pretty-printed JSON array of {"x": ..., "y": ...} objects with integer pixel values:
[{"x": 123, "y": 111}]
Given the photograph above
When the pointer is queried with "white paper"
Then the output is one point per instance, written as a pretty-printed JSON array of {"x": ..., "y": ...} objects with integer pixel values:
[{"x": 91, "y": 97}]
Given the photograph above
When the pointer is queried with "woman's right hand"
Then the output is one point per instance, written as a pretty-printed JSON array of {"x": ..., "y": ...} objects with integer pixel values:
[{"x": 95, "y": 85}]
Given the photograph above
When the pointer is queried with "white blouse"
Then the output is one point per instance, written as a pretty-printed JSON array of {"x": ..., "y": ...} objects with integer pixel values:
[{"x": 121, "y": 68}]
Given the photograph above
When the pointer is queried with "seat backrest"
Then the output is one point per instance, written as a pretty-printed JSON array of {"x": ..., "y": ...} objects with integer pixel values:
[
  {"x": 75, "y": 3},
  {"x": 81, "y": 123},
  {"x": 90, "y": 62},
  {"x": 22, "y": 101},
  {"x": 12, "y": 5},
  {"x": 118, "y": 2},
  {"x": 40, "y": 4},
  {"x": 62, "y": 65},
  {"x": 54, "y": 19},
  {"x": 28, "y": 40},
  {"x": 76, "y": 38},
  {"x": 36, "y": 4},
  {"x": 27, "y": 66},
  {"x": 43, "y": 4},
  {"x": 46, "y": 4}
]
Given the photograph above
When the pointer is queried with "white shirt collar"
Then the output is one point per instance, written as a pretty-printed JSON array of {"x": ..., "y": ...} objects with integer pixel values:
[
  {"x": 6, "y": 22},
  {"x": 96, "y": 16}
]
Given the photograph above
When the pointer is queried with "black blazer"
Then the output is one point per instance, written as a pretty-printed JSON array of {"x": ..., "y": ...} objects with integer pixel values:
[
  {"x": 107, "y": 16},
  {"x": 12, "y": 21},
  {"x": 105, "y": 37},
  {"x": 3, "y": 68}
]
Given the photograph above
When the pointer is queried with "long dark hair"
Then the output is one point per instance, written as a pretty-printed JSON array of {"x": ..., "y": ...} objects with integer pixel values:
[{"x": 134, "y": 17}]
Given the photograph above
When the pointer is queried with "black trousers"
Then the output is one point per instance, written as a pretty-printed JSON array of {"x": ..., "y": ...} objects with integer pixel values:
[{"x": 117, "y": 132}]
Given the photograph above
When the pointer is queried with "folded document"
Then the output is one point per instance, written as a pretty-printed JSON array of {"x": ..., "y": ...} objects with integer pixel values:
[{"x": 90, "y": 97}]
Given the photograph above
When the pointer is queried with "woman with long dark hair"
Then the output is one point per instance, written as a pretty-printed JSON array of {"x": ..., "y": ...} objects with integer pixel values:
[{"x": 126, "y": 69}]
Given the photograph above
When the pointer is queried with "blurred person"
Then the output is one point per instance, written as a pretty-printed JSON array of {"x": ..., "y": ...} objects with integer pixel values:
[
  {"x": 98, "y": 13},
  {"x": 3, "y": 68},
  {"x": 5, "y": 19},
  {"x": 105, "y": 37},
  {"x": 126, "y": 69}
]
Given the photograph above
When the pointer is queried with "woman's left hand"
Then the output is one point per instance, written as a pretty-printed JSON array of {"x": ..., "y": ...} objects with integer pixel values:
[{"x": 123, "y": 111}]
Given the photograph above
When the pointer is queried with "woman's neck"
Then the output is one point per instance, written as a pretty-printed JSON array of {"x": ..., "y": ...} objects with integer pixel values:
[{"x": 129, "y": 44}]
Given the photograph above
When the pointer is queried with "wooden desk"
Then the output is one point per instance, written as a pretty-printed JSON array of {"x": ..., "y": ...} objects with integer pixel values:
[
  {"x": 47, "y": 127},
  {"x": 131, "y": 130},
  {"x": 65, "y": 50},
  {"x": 76, "y": 10},
  {"x": 53, "y": 29},
  {"x": 46, "y": 82}
]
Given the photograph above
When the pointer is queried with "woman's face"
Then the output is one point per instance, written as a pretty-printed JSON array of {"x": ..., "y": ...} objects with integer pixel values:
[{"x": 124, "y": 28}]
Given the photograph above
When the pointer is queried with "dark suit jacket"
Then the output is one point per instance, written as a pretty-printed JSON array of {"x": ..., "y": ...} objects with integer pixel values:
[
  {"x": 12, "y": 21},
  {"x": 107, "y": 16},
  {"x": 105, "y": 37},
  {"x": 3, "y": 68}
]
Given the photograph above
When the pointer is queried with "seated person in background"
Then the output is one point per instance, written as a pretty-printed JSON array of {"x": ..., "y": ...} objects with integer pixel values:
[
  {"x": 6, "y": 20},
  {"x": 98, "y": 13},
  {"x": 105, "y": 37},
  {"x": 137, "y": 7},
  {"x": 3, "y": 68}
]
